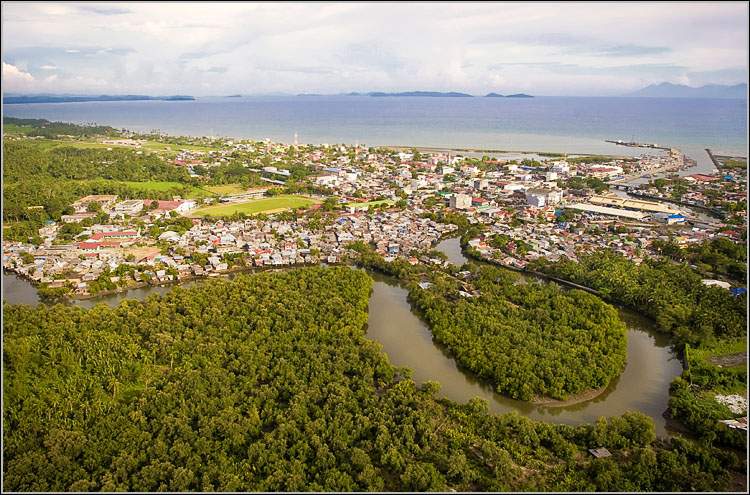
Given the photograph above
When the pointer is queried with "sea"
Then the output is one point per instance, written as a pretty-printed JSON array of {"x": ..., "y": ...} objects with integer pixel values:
[{"x": 572, "y": 125}]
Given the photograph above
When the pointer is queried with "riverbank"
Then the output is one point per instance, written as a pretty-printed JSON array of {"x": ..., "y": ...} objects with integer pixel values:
[
  {"x": 162, "y": 283},
  {"x": 586, "y": 395}
]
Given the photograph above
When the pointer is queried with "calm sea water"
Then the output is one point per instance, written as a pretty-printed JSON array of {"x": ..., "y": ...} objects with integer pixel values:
[{"x": 552, "y": 124}]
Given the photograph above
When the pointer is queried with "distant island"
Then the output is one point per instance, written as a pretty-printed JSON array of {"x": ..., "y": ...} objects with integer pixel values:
[
  {"x": 77, "y": 99},
  {"x": 452, "y": 94},
  {"x": 431, "y": 94},
  {"x": 667, "y": 90},
  {"x": 517, "y": 95},
  {"x": 233, "y": 96}
]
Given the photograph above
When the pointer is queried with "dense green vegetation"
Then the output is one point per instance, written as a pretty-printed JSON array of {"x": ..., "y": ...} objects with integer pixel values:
[
  {"x": 54, "y": 178},
  {"x": 527, "y": 339},
  {"x": 672, "y": 294},
  {"x": 693, "y": 394},
  {"x": 268, "y": 384},
  {"x": 719, "y": 256},
  {"x": 50, "y": 130},
  {"x": 735, "y": 164}
]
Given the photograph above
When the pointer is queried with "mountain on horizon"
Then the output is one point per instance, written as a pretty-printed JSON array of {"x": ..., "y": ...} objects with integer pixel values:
[
  {"x": 53, "y": 98},
  {"x": 668, "y": 90}
]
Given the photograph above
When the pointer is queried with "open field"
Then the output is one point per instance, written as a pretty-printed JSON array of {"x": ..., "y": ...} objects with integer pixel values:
[
  {"x": 16, "y": 130},
  {"x": 226, "y": 189},
  {"x": 369, "y": 203},
  {"x": 160, "y": 148},
  {"x": 258, "y": 206},
  {"x": 165, "y": 186}
]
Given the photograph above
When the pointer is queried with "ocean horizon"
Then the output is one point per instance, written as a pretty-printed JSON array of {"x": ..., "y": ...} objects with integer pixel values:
[{"x": 573, "y": 125}]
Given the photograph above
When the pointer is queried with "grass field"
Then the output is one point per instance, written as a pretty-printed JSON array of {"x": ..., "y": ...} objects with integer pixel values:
[
  {"x": 16, "y": 130},
  {"x": 165, "y": 186},
  {"x": 45, "y": 144},
  {"x": 258, "y": 206},
  {"x": 227, "y": 189},
  {"x": 369, "y": 203}
]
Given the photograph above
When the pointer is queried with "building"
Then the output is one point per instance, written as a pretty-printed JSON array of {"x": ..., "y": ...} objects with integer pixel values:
[
  {"x": 543, "y": 197},
  {"x": 604, "y": 210},
  {"x": 479, "y": 184},
  {"x": 460, "y": 201},
  {"x": 78, "y": 217},
  {"x": 129, "y": 207},
  {"x": 81, "y": 205},
  {"x": 633, "y": 204}
]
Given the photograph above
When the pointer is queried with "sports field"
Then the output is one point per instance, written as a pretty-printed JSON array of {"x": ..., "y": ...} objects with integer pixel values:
[{"x": 258, "y": 206}]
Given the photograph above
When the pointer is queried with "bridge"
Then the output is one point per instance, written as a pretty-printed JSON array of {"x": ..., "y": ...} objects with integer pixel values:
[{"x": 621, "y": 187}]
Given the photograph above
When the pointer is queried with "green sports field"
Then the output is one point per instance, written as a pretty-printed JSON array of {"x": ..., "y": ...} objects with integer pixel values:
[{"x": 258, "y": 206}]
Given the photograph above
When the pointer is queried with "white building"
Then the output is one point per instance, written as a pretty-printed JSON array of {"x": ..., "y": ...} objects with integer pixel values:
[
  {"x": 129, "y": 207},
  {"x": 460, "y": 201},
  {"x": 543, "y": 197}
]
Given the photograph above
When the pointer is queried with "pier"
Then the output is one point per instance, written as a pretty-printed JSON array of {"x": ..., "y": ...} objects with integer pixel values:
[{"x": 633, "y": 144}]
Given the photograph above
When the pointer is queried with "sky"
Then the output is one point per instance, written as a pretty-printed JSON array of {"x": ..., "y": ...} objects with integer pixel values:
[{"x": 214, "y": 49}]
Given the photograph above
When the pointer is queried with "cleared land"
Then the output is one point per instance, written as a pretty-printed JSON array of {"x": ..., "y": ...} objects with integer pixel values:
[
  {"x": 149, "y": 146},
  {"x": 227, "y": 189},
  {"x": 166, "y": 186},
  {"x": 258, "y": 206},
  {"x": 369, "y": 203}
]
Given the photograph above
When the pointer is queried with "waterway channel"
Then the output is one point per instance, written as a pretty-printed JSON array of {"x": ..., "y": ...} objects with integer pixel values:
[{"x": 407, "y": 341}]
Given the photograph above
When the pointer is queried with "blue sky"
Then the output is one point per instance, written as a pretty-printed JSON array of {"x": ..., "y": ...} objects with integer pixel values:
[{"x": 557, "y": 48}]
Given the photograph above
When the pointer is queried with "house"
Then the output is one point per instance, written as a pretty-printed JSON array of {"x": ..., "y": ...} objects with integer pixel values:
[{"x": 600, "y": 452}]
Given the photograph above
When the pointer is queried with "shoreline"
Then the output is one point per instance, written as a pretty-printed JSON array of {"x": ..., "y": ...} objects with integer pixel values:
[{"x": 547, "y": 154}]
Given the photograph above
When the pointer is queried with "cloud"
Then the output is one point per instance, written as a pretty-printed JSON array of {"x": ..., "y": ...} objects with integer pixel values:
[
  {"x": 331, "y": 47},
  {"x": 632, "y": 50},
  {"x": 106, "y": 10},
  {"x": 15, "y": 80},
  {"x": 19, "y": 81}
]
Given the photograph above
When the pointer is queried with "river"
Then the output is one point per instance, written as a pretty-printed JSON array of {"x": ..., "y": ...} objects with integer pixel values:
[{"x": 407, "y": 341}]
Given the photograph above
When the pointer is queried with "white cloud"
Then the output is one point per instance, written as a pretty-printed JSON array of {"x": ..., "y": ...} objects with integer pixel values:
[
  {"x": 331, "y": 47},
  {"x": 49, "y": 67},
  {"x": 16, "y": 81}
]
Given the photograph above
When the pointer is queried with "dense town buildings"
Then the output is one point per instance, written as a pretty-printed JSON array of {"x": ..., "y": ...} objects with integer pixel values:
[{"x": 542, "y": 209}]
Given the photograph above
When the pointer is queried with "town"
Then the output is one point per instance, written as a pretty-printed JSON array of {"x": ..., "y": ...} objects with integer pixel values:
[{"x": 401, "y": 202}]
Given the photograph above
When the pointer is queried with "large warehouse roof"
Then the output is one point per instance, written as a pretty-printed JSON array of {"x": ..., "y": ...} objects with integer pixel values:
[{"x": 604, "y": 210}]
